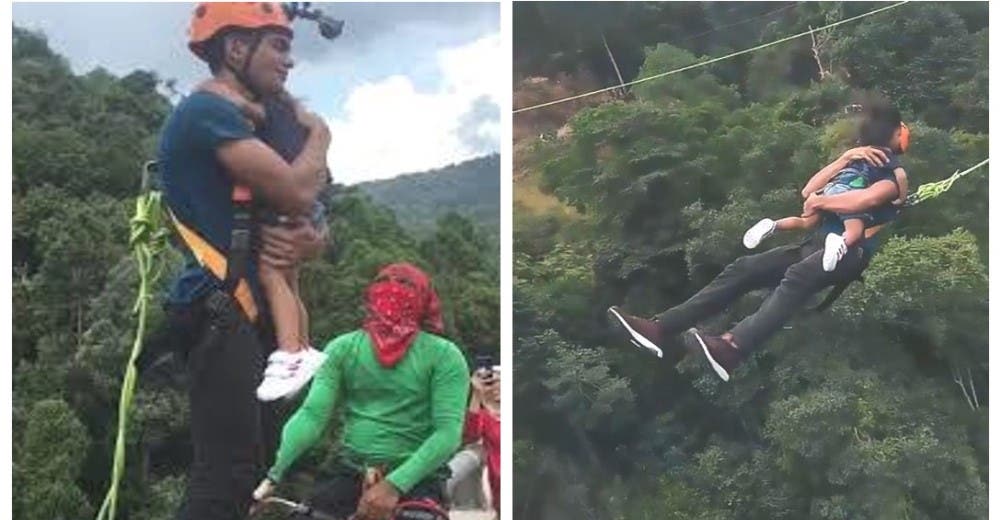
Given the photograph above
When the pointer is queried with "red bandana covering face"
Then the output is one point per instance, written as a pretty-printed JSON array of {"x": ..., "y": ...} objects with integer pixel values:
[{"x": 399, "y": 304}]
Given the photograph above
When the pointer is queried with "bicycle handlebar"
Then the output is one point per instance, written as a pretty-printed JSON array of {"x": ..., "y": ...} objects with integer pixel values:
[{"x": 296, "y": 508}]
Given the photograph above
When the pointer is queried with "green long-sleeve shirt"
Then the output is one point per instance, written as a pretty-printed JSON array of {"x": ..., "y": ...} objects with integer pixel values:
[{"x": 408, "y": 417}]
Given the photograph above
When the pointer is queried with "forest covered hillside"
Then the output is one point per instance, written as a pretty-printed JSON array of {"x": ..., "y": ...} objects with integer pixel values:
[
  {"x": 877, "y": 408},
  {"x": 470, "y": 188}
]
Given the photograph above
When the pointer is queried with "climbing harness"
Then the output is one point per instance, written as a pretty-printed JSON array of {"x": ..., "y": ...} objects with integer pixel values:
[
  {"x": 148, "y": 239},
  {"x": 232, "y": 270}
]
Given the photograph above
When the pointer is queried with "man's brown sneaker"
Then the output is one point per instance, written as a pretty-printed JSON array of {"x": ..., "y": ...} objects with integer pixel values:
[
  {"x": 721, "y": 354},
  {"x": 643, "y": 333}
]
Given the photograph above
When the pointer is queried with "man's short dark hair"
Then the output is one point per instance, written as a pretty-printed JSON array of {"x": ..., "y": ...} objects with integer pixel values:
[
  {"x": 215, "y": 49},
  {"x": 879, "y": 122}
]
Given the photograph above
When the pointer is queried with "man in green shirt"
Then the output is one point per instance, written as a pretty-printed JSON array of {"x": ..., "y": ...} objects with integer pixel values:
[{"x": 400, "y": 390}]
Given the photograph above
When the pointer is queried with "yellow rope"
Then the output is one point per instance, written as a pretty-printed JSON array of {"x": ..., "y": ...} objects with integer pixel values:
[
  {"x": 930, "y": 190},
  {"x": 148, "y": 239}
]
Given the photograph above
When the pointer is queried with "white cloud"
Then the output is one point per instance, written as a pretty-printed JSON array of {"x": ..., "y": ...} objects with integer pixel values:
[
  {"x": 474, "y": 68},
  {"x": 388, "y": 127}
]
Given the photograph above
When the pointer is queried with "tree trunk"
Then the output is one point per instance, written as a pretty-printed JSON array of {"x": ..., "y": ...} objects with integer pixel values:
[
  {"x": 817, "y": 48},
  {"x": 957, "y": 377},
  {"x": 972, "y": 387},
  {"x": 618, "y": 72}
]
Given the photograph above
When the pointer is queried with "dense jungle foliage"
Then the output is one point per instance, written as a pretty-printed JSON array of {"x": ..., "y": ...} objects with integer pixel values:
[{"x": 875, "y": 409}]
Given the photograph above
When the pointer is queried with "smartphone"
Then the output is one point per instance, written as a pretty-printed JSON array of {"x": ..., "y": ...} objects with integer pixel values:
[{"x": 484, "y": 366}]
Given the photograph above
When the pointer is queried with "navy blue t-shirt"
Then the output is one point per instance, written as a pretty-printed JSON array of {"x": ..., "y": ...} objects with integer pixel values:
[{"x": 197, "y": 187}]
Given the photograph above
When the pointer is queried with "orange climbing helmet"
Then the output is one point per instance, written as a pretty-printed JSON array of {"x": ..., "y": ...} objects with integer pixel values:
[
  {"x": 211, "y": 18},
  {"x": 904, "y": 137}
]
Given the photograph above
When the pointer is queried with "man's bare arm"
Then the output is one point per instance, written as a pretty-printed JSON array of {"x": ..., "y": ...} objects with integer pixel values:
[
  {"x": 290, "y": 188},
  {"x": 871, "y": 154},
  {"x": 857, "y": 201}
]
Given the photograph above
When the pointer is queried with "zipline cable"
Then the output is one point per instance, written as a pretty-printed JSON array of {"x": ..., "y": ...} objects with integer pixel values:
[{"x": 712, "y": 60}]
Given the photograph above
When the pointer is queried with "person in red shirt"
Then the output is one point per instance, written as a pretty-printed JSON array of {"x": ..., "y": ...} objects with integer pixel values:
[{"x": 482, "y": 422}]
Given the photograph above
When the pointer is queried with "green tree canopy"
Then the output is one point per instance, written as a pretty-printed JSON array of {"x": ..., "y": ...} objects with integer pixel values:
[{"x": 875, "y": 409}]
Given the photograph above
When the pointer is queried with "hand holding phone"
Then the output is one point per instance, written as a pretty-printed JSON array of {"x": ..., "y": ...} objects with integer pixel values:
[{"x": 483, "y": 375}]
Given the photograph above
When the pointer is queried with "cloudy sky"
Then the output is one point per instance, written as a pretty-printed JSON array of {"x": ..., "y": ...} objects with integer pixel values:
[{"x": 407, "y": 87}]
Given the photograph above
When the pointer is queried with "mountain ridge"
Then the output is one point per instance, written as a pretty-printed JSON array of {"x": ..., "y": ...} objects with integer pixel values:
[{"x": 470, "y": 188}]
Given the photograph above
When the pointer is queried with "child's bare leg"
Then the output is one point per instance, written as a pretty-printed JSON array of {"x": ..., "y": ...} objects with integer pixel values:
[
  {"x": 284, "y": 306},
  {"x": 292, "y": 276},
  {"x": 854, "y": 230},
  {"x": 294, "y": 363},
  {"x": 789, "y": 223},
  {"x": 766, "y": 227},
  {"x": 304, "y": 324}
]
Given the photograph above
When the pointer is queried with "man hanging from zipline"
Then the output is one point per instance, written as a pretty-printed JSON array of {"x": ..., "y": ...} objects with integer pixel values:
[{"x": 795, "y": 272}]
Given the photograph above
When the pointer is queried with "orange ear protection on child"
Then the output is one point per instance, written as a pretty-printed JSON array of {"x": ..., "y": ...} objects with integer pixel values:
[{"x": 904, "y": 137}]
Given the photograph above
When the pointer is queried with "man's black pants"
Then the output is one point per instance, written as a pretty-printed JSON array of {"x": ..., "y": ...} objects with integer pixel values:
[
  {"x": 233, "y": 434},
  {"x": 796, "y": 274}
]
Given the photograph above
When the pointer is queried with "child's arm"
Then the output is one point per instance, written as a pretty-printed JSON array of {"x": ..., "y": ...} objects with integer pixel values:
[
  {"x": 253, "y": 111},
  {"x": 871, "y": 154},
  {"x": 820, "y": 178},
  {"x": 903, "y": 184}
]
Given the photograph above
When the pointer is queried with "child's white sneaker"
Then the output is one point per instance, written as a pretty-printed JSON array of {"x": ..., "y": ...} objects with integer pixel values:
[
  {"x": 288, "y": 372},
  {"x": 758, "y": 232},
  {"x": 834, "y": 250}
]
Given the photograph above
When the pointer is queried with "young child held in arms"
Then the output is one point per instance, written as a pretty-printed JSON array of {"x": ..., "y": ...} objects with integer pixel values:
[
  {"x": 881, "y": 127},
  {"x": 293, "y": 364}
]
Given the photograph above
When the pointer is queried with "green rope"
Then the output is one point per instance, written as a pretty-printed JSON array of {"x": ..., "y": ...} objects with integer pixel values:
[
  {"x": 931, "y": 190},
  {"x": 147, "y": 240}
]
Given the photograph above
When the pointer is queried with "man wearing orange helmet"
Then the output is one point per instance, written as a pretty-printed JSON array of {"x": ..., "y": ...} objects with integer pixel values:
[
  {"x": 212, "y": 166},
  {"x": 273, "y": 113}
]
